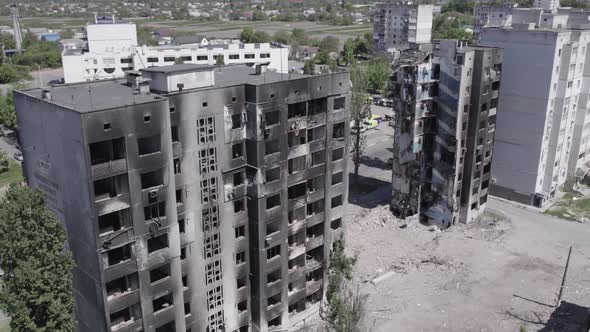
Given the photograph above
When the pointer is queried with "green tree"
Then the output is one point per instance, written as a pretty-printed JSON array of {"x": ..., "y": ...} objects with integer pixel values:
[
  {"x": 145, "y": 36},
  {"x": 330, "y": 44},
  {"x": 247, "y": 35},
  {"x": 7, "y": 40},
  {"x": 178, "y": 61},
  {"x": 377, "y": 74},
  {"x": 7, "y": 110},
  {"x": 259, "y": 15},
  {"x": 574, "y": 4},
  {"x": 447, "y": 26},
  {"x": 219, "y": 61},
  {"x": 461, "y": 6},
  {"x": 359, "y": 110},
  {"x": 282, "y": 36},
  {"x": 308, "y": 67},
  {"x": 67, "y": 34},
  {"x": 7, "y": 73},
  {"x": 37, "y": 281},
  {"x": 4, "y": 165},
  {"x": 344, "y": 307},
  {"x": 299, "y": 36},
  {"x": 261, "y": 37}
]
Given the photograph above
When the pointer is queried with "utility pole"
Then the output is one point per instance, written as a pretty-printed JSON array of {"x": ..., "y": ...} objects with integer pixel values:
[
  {"x": 567, "y": 263},
  {"x": 18, "y": 36}
]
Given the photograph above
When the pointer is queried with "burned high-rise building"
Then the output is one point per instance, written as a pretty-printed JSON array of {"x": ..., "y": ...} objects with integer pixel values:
[
  {"x": 445, "y": 99},
  {"x": 194, "y": 198}
]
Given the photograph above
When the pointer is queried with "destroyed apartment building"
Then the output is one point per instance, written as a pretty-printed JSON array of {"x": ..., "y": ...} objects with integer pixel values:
[
  {"x": 445, "y": 100},
  {"x": 195, "y": 198}
]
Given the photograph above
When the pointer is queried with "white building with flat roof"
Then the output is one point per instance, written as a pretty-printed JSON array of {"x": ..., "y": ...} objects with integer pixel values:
[
  {"x": 397, "y": 25},
  {"x": 543, "y": 123},
  {"x": 113, "y": 49}
]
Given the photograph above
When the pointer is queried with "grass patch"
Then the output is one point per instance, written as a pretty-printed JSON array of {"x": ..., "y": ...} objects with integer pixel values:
[
  {"x": 572, "y": 206},
  {"x": 14, "y": 174}
]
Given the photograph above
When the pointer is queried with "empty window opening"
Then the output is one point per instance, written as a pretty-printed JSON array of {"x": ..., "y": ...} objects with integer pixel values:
[
  {"x": 271, "y": 147},
  {"x": 276, "y": 322},
  {"x": 316, "y": 133},
  {"x": 240, "y": 231},
  {"x": 273, "y": 227},
  {"x": 160, "y": 273},
  {"x": 296, "y": 215},
  {"x": 297, "y": 190},
  {"x": 240, "y": 258},
  {"x": 272, "y": 301},
  {"x": 272, "y": 174},
  {"x": 154, "y": 211},
  {"x": 163, "y": 302},
  {"x": 106, "y": 126},
  {"x": 105, "y": 151},
  {"x": 237, "y": 150},
  {"x": 202, "y": 58},
  {"x": 147, "y": 145},
  {"x": 337, "y": 154},
  {"x": 174, "y": 132},
  {"x": 337, "y": 178},
  {"x": 113, "y": 221},
  {"x": 236, "y": 121},
  {"x": 317, "y": 106},
  {"x": 205, "y": 104},
  {"x": 296, "y": 240},
  {"x": 273, "y": 201},
  {"x": 179, "y": 196},
  {"x": 339, "y": 103},
  {"x": 181, "y": 225},
  {"x": 158, "y": 243},
  {"x": 315, "y": 231},
  {"x": 110, "y": 187},
  {"x": 318, "y": 158},
  {"x": 183, "y": 253},
  {"x": 125, "y": 316},
  {"x": 273, "y": 252},
  {"x": 169, "y": 59},
  {"x": 296, "y": 262},
  {"x": 152, "y": 179},
  {"x": 187, "y": 308},
  {"x": 296, "y": 110},
  {"x": 239, "y": 205},
  {"x": 184, "y": 281},
  {"x": 297, "y": 164},
  {"x": 238, "y": 178},
  {"x": 177, "y": 169},
  {"x": 147, "y": 118},
  {"x": 241, "y": 282},
  {"x": 315, "y": 207},
  {"x": 272, "y": 118},
  {"x": 273, "y": 276},
  {"x": 297, "y": 307},
  {"x": 295, "y": 138},
  {"x": 242, "y": 306},
  {"x": 122, "y": 285},
  {"x": 338, "y": 130},
  {"x": 336, "y": 223},
  {"x": 118, "y": 255}
]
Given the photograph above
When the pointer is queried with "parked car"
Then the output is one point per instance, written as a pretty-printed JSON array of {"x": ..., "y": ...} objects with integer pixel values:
[{"x": 18, "y": 156}]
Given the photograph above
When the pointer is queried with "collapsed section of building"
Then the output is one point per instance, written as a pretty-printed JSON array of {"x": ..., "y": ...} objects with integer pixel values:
[{"x": 445, "y": 100}]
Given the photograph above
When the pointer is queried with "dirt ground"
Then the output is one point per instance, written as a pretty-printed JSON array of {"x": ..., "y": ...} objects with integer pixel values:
[{"x": 498, "y": 274}]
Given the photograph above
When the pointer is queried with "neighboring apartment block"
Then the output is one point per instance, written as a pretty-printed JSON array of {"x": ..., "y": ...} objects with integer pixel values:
[
  {"x": 490, "y": 16},
  {"x": 397, "y": 25},
  {"x": 542, "y": 139},
  {"x": 112, "y": 49},
  {"x": 194, "y": 198},
  {"x": 445, "y": 100}
]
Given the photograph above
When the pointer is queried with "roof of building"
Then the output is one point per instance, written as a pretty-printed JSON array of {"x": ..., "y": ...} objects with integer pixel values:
[
  {"x": 181, "y": 40},
  {"x": 94, "y": 96},
  {"x": 179, "y": 68},
  {"x": 112, "y": 94}
]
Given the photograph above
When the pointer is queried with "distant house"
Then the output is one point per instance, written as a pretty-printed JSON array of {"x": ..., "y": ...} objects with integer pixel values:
[
  {"x": 72, "y": 44},
  {"x": 303, "y": 52},
  {"x": 192, "y": 40},
  {"x": 50, "y": 37},
  {"x": 309, "y": 12},
  {"x": 248, "y": 15},
  {"x": 163, "y": 36}
]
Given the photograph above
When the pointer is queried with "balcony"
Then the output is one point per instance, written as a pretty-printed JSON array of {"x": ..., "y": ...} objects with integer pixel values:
[
  {"x": 314, "y": 242},
  {"x": 114, "y": 204},
  {"x": 131, "y": 325},
  {"x": 296, "y": 250},
  {"x": 312, "y": 264},
  {"x": 108, "y": 169},
  {"x": 120, "y": 301},
  {"x": 296, "y": 226},
  {"x": 120, "y": 269},
  {"x": 312, "y": 286}
]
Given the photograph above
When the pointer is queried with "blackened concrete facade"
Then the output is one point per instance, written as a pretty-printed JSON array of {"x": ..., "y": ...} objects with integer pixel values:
[
  {"x": 194, "y": 198},
  {"x": 444, "y": 116}
]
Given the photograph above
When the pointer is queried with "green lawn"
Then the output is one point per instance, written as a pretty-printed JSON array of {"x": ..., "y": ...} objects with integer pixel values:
[
  {"x": 571, "y": 207},
  {"x": 14, "y": 174}
]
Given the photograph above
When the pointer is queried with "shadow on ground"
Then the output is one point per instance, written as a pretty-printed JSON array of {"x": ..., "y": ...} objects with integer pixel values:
[
  {"x": 568, "y": 317},
  {"x": 368, "y": 192}
]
